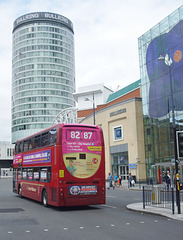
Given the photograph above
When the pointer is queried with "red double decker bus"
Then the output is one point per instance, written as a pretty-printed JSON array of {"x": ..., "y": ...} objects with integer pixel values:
[{"x": 63, "y": 165}]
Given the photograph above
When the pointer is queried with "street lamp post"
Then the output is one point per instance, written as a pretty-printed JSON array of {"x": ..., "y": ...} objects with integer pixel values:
[
  {"x": 138, "y": 165},
  {"x": 168, "y": 61},
  {"x": 87, "y": 99}
]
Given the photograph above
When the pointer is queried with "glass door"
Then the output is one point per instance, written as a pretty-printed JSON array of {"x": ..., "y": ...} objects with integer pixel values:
[{"x": 124, "y": 170}]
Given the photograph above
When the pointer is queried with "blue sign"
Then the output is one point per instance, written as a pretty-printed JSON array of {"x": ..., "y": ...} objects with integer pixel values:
[
  {"x": 37, "y": 157},
  {"x": 132, "y": 165}
]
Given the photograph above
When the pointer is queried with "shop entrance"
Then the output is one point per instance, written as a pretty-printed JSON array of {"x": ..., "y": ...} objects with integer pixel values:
[
  {"x": 120, "y": 165},
  {"x": 122, "y": 171}
]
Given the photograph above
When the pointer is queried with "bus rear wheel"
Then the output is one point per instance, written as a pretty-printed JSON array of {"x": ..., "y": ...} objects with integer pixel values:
[{"x": 45, "y": 198}]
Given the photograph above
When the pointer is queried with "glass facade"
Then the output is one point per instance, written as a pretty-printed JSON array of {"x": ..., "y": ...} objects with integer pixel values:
[
  {"x": 162, "y": 81},
  {"x": 43, "y": 71}
]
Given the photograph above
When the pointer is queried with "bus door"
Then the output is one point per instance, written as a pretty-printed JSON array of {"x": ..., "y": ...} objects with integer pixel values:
[{"x": 15, "y": 180}]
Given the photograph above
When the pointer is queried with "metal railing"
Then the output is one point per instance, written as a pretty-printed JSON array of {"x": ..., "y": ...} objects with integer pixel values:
[{"x": 160, "y": 196}]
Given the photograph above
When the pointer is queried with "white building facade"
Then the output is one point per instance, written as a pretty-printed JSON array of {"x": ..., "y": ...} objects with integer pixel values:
[
  {"x": 6, "y": 158},
  {"x": 97, "y": 93}
]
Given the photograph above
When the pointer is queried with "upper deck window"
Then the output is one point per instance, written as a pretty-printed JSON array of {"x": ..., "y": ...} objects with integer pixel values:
[{"x": 40, "y": 140}]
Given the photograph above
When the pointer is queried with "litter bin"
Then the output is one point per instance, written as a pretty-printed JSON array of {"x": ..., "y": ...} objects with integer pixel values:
[{"x": 155, "y": 195}]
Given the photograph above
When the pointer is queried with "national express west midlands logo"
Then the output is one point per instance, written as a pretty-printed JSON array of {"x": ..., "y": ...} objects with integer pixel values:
[
  {"x": 74, "y": 190},
  {"x": 162, "y": 74}
]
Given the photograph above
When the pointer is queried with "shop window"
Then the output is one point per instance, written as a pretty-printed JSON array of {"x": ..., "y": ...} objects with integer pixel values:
[
  {"x": 118, "y": 133},
  {"x": 11, "y": 152},
  {"x": 8, "y": 152}
]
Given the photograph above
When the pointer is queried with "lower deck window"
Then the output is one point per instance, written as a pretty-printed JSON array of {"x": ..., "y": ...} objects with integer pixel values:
[{"x": 42, "y": 174}]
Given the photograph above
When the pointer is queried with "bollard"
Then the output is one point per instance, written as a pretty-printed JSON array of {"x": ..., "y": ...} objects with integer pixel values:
[
  {"x": 173, "y": 208},
  {"x": 155, "y": 195},
  {"x": 143, "y": 194}
]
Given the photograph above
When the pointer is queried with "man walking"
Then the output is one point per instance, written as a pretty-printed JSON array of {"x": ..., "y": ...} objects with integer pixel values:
[
  {"x": 110, "y": 178},
  {"x": 168, "y": 181},
  {"x": 129, "y": 180}
]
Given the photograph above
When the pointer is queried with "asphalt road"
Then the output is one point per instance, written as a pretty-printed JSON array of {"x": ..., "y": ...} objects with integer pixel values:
[{"x": 22, "y": 219}]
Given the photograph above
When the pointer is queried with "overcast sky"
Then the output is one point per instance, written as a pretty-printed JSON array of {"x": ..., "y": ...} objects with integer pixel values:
[{"x": 106, "y": 40}]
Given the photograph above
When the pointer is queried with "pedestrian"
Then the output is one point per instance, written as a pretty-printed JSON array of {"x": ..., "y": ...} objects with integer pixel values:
[
  {"x": 133, "y": 182},
  {"x": 119, "y": 181},
  {"x": 115, "y": 180},
  {"x": 110, "y": 178},
  {"x": 164, "y": 177},
  {"x": 168, "y": 181},
  {"x": 129, "y": 180},
  {"x": 175, "y": 181}
]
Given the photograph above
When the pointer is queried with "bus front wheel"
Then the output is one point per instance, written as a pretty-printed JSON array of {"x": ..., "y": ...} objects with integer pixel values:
[{"x": 45, "y": 198}]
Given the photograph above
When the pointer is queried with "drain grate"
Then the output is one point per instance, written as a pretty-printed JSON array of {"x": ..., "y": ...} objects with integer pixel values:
[{"x": 11, "y": 210}]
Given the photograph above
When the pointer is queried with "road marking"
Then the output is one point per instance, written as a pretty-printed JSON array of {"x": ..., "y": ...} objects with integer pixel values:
[
  {"x": 10, "y": 232},
  {"x": 109, "y": 206},
  {"x": 111, "y": 196},
  {"x": 27, "y": 231}
]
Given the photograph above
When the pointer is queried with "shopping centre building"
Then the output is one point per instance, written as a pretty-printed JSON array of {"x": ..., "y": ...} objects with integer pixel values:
[
  {"x": 121, "y": 119},
  {"x": 161, "y": 61}
]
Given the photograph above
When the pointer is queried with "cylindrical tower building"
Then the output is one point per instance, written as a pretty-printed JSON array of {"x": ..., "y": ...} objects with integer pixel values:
[{"x": 43, "y": 71}]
